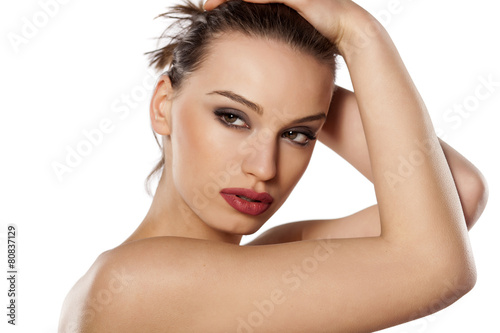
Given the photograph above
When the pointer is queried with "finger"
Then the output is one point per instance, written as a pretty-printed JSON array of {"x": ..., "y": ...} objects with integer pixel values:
[
  {"x": 268, "y": 1},
  {"x": 211, "y": 4}
]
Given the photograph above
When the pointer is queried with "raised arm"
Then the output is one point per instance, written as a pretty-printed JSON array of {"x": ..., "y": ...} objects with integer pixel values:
[
  {"x": 343, "y": 132},
  {"x": 345, "y": 285}
]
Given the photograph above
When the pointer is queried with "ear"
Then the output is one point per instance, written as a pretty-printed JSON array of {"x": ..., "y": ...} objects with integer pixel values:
[{"x": 161, "y": 105}]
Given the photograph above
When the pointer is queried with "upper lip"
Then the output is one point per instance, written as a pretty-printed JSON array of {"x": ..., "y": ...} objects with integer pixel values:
[{"x": 263, "y": 197}]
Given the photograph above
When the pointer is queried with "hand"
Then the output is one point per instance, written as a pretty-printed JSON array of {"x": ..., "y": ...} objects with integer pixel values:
[{"x": 334, "y": 19}]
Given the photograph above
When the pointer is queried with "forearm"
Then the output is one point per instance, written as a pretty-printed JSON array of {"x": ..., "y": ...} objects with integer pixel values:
[
  {"x": 343, "y": 133},
  {"x": 397, "y": 125}
]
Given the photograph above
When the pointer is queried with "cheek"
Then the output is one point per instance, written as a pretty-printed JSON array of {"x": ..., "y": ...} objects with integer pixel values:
[
  {"x": 198, "y": 147},
  {"x": 190, "y": 141},
  {"x": 292, "y": 165}
]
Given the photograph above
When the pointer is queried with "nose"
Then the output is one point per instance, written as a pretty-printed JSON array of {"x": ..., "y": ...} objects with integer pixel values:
[{"x": 260, "y": 157}]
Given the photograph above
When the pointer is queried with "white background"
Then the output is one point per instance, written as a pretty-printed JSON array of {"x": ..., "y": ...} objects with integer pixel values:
[{"x": 80, "y": 65}]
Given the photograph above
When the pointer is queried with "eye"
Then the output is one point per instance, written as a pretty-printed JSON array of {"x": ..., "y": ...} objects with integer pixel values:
[
  {"x": 231, "y": 119},
  {"x": 298, "y": 138}
]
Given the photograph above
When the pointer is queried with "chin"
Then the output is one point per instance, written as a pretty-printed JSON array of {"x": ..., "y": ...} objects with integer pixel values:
[{"x": 241, "y": 227}]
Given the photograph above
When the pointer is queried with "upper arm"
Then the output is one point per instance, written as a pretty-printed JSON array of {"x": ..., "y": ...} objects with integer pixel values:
[
  {"x": 343, "y": 132},
  {"x": 365, "y": 223},
  {"x": 186, "y": 285}
]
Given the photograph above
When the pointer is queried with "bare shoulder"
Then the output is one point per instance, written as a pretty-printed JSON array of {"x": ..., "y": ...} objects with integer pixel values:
[
  {"x": 99, "y": 290},
  {"x": 127, "y": 286}
]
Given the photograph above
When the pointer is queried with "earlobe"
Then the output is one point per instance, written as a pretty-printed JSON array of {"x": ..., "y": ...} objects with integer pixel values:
[{"x": 161, "y": 104}]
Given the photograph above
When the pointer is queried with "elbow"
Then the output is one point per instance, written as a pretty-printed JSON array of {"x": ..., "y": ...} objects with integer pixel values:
[
  {"x": 474, "y": 197},
  {"x": 455, "y": 279},
  {"x": 461, "y": 283},
  {"x": 450, "y": 274},
  {"x": 466, "y": 277},
  {"x": 446, "y": 290}
]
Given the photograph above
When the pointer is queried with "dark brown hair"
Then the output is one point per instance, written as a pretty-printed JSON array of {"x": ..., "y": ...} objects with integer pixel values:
[{"x": 192, "y": 30}]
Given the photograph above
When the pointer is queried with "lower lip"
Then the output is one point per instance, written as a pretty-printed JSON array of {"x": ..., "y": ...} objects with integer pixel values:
[{"x": 244, "y": 206}]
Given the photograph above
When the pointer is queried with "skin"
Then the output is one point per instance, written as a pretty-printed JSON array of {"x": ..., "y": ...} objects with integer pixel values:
[
  {"x": 184, "y": 261},
  {"x": 205, "y": 155}
]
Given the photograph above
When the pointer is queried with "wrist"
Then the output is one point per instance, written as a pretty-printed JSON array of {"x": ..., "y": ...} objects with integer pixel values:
[{"x": 358, "y": 31}]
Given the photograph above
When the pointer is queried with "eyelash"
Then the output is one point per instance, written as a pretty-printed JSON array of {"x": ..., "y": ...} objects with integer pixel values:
[{"x": 221, "y": 113}]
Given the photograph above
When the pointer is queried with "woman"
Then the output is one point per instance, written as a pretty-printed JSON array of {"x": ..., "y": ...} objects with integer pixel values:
[{"x": 239, "y": 109}]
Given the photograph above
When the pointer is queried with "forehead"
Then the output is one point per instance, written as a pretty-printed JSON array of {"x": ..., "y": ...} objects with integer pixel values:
[{"x": 266, "y": 71}]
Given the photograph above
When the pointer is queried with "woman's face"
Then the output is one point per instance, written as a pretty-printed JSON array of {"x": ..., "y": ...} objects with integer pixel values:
[{"x": 243, "y": 125}]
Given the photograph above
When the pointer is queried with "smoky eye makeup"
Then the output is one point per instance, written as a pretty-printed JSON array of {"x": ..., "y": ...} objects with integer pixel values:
[
  {"x": 232, "y": 118},
  {"x": 301, "y": 136},
  {"x": 304, "y": 130}
]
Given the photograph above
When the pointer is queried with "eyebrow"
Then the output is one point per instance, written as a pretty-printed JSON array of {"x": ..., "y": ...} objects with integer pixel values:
[
  {"x": 259, "y": 109},
  {"x": 319, "y": 116},
  {"x": 239, "y": 99}
]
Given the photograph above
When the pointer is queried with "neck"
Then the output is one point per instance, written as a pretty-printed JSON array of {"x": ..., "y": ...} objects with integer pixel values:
[{"x": 169, "y": 215}]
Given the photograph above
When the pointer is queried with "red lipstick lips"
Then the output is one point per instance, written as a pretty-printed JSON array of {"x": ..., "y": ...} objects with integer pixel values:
[{"x": 247, "y": 201}]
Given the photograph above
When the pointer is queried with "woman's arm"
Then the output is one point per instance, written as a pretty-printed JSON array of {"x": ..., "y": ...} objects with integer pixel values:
[
  {"x": 396, "y": 126},
  {"x": 343, "y": 132},
  {"x": 347, "y": 285}
]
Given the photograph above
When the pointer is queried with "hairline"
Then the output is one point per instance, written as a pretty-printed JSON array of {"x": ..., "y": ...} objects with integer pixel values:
[{"x": 217, "y": 37}]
